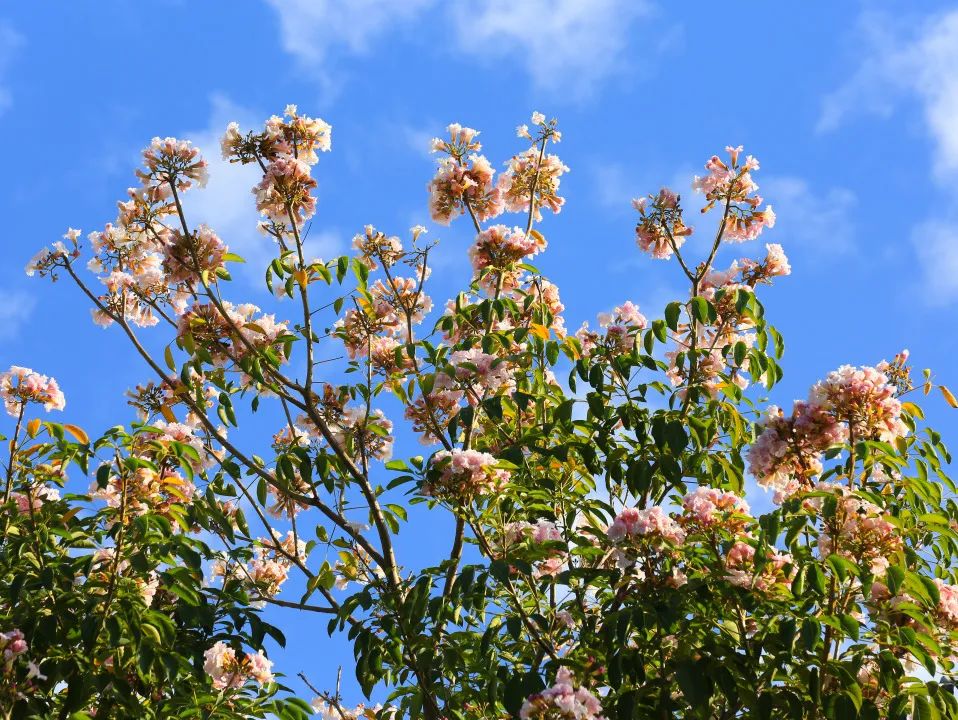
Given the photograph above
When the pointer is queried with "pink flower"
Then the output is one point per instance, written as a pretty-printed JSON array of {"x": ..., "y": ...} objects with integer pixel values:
[
  {"x": 864, "y": 398},
  {"x": 660, "y": 230},
  {"x": 525, "y": 173},
  {"x": 20, "y": 385},
  {"x": 710, "y": 507},
  {"x": 465, "y": 474},
  {"x": 285, "y": 192},
  {"x": 460, "y": 185},
  {"x": 562, "y": 701},
  {"x": 653, "y": 523}
]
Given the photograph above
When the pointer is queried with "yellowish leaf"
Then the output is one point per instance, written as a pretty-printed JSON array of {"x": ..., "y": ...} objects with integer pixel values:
[
  {"x": 167, "y": 413},
  {"x": 912, "y": 409},
  {"x": 539, "y": 238},
  {"x": 33, "y": 427},
  {"x": 540, "y": 331},
  {"x": 77, "y": 432},
  {"x": 949, "y": 398},
  {"x": 301, "y": 277}
]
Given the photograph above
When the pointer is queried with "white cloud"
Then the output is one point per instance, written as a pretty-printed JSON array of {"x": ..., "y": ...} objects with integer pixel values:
[
  {"x": 566, "y": 45},
  {"x": 562, "y": 44},
  {"x": 809, "y": 220},
  {"x": 226, "y": 203},
  {"x": 936, "y": 243},
  {"x": 923, "y": 66},
  {"x": 15, "y": 310},
  {"x": 310, "y": 28},
  {"x": 10, "y": 42},
  {"x": 919, "y": 68}
]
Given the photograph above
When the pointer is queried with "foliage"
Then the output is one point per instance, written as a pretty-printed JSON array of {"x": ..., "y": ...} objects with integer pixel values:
[{"x": 615, "y": 569}]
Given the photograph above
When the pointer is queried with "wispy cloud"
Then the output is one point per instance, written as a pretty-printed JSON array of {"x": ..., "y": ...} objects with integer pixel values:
[
  {"x": 810, "y": 220},
  {"x": 567, "y": 44},
  {"x": 917, "y": 68},
  {"x": 561, "y": 44},
  {"x": 15, "y": 309},
  {"x": 10, "y": 42},
  {"x": 897, "y": 67}
]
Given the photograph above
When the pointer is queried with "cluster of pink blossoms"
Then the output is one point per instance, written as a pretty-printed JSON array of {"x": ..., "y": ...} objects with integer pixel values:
[
  {"x": 788, "y": 453},
  {"x": 20, "y": 386},
  {"x": 500, "y": 248},
  {"x": 864, "y": 534},
  {"x": 707, "y": 507},
  {"x": 481, "y": 372},
  {"x": 731, "y": 183},
  {"x": 863, "y": 398},
  {"x": 287, "y": 147},
  {"x": 947, "y": 603},
  {"x": 382, "y": 321},
  {"x": 562, "y": 701},
  {"x": 743, "y": 571},
  {"x": 660, "y": 230},
  {"x": 145, "y": 491},
  {"x": 541, "y": 532},
  {"x": 326, "y": 711},
  {"x": 230, "y": 332},
  {"x": 170, "y": 162},
  {"x": 12, "y": 645},
  {"x": 652, "y": 525},
  {"x": 465, "y": 474},
  {"x": 525, "y": 173},
  {"x": 227, "y": 670},
  {"x": 790, "y": 449},
  {"x": 34, "y": 498},
  {"x": 622, "y": 327},
  {"x": 270, "y": 568},
  {"x": 464, "y": 180}
]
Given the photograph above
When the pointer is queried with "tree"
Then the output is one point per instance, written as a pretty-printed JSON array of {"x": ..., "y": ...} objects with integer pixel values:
[{"x": 614, "y": 568}]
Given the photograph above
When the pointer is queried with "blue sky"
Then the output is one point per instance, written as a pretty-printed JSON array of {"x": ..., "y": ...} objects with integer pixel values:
[{"x": 852, "y": 109}]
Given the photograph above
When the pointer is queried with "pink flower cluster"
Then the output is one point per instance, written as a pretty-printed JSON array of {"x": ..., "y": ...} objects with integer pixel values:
[
  {"x": 543, "y": 531},
  {"x": 171, "y": 162},
  {"x": 227, "y": 670},
  {"x": 947, "y": 603},
  {"x": 707, "y": 507},
  {"x": 12, "y": 645},
  {"x": 651, "y": 524},
  {"x": 743, "y": 572},
  {"x": 524, "y": 174},
  {"x": 499, "y": 247},
  {"x": 34, "y": 498},
  {"x": 731, "y": 184},
  {"x": 145, "y": 491},
  {"x": 621, "y": 326},
  {"x": 660, "y": 230},
  {"x": 481, "y": 372},
  {"x": 790, "y": 448},
  {"x": 20, "y": 386},
  {"x": 462, "y": 184},
  {"x": 287, "y": 147},
  {"x": 465, "y": 474},
  {"x": 270, "y": 568},
  {"x": 864, "y": 534},
  {"x": 863, "y": 398},
  {"x": 562, "y": 701}
]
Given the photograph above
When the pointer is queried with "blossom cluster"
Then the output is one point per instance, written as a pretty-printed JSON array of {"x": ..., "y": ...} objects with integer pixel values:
[
  {"x": 562, "y": 701},
  {"x": 622, "y": 327},
  {"x": 464, "y": 179},
  {"x": 20, "y": 386},
  {"x": 862, "y": 532},
  {"x": 730, "y": 184},
  {"x": 145, "y": 490},
  {"x": 464, "y": 475},
  {"x": 788, "y": 452},
  {"x": 228, "y": 670},
  {"x": 286, "y": 149}
]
